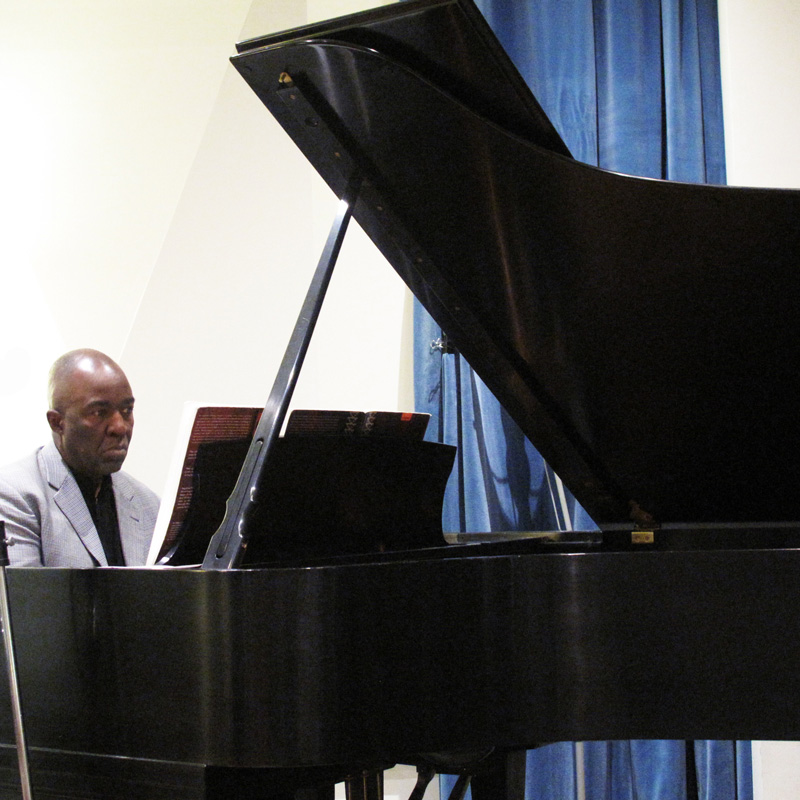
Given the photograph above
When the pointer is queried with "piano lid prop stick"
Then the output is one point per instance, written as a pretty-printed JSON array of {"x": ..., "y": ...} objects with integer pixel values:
[
  {"x": 227, "y": 545},
  {"x": 11, "y": 664}
]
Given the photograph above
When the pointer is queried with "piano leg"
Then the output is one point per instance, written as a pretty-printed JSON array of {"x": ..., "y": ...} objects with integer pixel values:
[
  {"x": 367, "y": 785},
  {"x": 424, "y": 776},
  {"x": 501, "y": 778},
  {"x": 460, "y": 787}
]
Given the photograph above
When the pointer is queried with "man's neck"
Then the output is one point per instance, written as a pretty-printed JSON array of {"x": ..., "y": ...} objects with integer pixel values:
[{"x": 89, "y": 484}]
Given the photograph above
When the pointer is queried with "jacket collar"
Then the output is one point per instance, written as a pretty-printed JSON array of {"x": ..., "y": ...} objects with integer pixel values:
[{"x": 69, "y": 499}]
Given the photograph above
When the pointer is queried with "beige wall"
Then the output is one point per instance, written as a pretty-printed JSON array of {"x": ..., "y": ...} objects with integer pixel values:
[
  {"x": 156, "y": 211},
  {"x": 760, "y": 50}
]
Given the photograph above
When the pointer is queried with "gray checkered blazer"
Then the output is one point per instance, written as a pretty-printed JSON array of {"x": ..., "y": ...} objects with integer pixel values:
[{"x": 48, "y": 523}]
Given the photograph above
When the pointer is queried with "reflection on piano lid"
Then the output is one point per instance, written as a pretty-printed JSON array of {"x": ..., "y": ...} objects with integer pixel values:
[{"x": 640, "y": 332}]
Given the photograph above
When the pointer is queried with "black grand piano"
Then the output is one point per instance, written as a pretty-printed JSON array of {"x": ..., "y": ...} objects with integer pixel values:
[{"x": 641, "y": 333}]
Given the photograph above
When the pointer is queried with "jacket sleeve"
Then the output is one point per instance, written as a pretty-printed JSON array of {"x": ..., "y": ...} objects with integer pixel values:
[{"x": 23, "y": 523}]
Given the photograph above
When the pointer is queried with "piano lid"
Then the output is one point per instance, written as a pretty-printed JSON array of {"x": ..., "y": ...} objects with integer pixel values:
[{"x": 640, "y": 332}]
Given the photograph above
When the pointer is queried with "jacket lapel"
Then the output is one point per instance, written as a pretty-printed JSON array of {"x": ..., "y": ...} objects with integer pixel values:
[
  {"x": 69, "y": 499},
  {"x": 135, "y": 540}
]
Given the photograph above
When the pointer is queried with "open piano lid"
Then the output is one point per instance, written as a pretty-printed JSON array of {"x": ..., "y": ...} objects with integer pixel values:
[{"x": 640, "y": 332}]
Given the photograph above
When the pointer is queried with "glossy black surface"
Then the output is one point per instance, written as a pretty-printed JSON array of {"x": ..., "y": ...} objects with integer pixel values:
[
  {"x": 450, "y": 45},
  {"x": 302, "y": 667},
  {"x": 326, "y": 496},
  {"x": 640, "y": 332}
]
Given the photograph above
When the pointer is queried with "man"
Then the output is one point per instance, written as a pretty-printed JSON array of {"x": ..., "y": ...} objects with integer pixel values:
[{"x": 68, "y": 504}]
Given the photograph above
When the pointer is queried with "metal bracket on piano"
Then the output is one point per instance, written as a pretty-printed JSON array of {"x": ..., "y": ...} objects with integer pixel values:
[
  {"x": 442, "y": 345},
  {"x": 309, "y": 124}
]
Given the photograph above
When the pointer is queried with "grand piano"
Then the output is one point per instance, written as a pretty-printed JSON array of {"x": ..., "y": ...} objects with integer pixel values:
[{"x": 642, "y": 335}]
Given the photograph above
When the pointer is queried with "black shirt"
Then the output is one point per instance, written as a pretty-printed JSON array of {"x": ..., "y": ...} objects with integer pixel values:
[{"x": 103, "y": 508}]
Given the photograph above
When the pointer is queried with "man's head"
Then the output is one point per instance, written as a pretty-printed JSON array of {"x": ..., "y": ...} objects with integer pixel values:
[{"x": 91, "y": 412}]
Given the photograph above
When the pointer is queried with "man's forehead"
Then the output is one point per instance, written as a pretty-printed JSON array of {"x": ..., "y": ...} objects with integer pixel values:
[
  {"x": 94, "y": 385},
  {"x": 91, "y": 365}
]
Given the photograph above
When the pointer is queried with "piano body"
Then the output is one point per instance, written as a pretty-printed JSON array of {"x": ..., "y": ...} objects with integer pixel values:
[{"x": 641, "y": 334}]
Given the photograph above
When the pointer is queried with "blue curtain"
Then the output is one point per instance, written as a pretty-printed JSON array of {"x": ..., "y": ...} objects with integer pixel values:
[{"x": 632, "y": 86}]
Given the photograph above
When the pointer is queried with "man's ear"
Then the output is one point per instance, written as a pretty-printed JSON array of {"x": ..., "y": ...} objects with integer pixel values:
[{"x": 56, "y": 421}]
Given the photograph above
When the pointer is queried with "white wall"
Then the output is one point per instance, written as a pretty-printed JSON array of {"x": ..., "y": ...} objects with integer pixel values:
[
  {"x": 156, "y": 211},
  {"x": 229, "y": 281},
  {"x": 760, "y": 50},
  {"x": 105, "y": 103}
]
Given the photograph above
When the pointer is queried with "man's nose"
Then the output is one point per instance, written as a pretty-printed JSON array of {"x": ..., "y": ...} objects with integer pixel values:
[{"x": 118, "y": 424}]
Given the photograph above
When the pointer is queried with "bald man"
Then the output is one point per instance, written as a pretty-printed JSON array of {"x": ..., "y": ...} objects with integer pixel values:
[{"x": 68, "y": 504}]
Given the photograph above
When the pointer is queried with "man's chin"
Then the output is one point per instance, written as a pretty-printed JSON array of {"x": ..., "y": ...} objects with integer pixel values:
[{"x": 113, "y": 464}]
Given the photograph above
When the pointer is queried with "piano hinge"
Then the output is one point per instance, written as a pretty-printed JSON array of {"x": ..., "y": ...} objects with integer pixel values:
[{"x": 643, "y": 520}]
